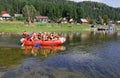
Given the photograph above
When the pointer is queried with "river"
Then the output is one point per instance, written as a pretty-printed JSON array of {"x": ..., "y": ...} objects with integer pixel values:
[{"x": 83, "y": 55}]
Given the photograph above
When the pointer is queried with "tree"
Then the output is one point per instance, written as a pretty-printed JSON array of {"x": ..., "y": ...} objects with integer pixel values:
[
  {"x": 106, "y": 19},
  {"x": 80, "y": 12},
  {"x": 62, "y": 8},
  {"x": 29, "y": 13},
  {"x": 100, "y": 20}
]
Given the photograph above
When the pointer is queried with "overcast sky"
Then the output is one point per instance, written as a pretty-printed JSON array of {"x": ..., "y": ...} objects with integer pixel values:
[{"x": 113, "y": 3}]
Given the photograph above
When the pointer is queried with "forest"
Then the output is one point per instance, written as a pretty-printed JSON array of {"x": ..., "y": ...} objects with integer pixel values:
[{"x": 55, "y": 9}]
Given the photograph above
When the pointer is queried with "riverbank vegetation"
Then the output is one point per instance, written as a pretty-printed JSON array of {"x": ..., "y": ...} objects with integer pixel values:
[
  {"x": 94, "y": 12},
  {"x": 18, "y": 27},
  {"x": 51, "y": 27},
  {"x": 55, "y": 9}
]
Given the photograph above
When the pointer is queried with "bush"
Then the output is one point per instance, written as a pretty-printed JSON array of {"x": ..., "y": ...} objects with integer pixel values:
[{"x": 20, "y": 18}]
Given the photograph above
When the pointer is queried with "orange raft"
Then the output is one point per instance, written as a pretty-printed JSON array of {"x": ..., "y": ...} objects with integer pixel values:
[{"x": 57, "y": 41}]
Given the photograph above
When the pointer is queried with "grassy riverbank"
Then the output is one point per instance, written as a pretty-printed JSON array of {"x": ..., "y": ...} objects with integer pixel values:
[{"x": 19, "y": 27}]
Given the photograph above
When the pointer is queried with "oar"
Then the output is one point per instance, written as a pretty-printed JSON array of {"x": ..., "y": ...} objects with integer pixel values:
[{"x": 22, "y": 44}]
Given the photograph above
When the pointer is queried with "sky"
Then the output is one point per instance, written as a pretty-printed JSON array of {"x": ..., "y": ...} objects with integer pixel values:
[{"x": 113, "y": 3}]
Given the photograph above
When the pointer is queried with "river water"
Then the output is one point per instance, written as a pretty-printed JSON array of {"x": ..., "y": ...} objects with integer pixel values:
[{"x": 83, "y": 55}]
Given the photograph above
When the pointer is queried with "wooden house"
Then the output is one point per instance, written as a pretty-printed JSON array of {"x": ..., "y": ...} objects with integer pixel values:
[{"x": 41, "y": 19}]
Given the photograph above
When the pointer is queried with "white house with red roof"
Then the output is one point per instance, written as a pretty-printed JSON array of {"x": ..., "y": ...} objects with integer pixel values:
[{"x": 5, "y": 15}]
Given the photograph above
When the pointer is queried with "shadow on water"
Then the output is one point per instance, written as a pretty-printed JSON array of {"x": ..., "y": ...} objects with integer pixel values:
[{"x": 87, "y": 55}]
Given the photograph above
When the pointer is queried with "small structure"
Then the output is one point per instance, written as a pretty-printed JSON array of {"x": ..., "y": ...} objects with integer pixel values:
[
  {"x": 61, "y": 20},
  {"x": 3, "y": 12},
  {"x": 111, "y": 27},
  {"x": 1, "y": 18},
  {"x": 118, "y": 21},
  {"x": 5, "y": 15},
  {"x": 18, "y": 15},
  {"x": 58, "y": 20},
  {"x": 71, "y": 21},
  {"x": 41, "y": 19},
  {"x": 84, "y": 20},
  {"x": 64, "y": 20}
]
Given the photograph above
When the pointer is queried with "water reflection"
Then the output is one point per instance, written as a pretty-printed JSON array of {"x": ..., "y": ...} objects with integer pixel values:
[
  {"x": 89, "y": 38},
  {"x": 42, "y": 50},
  {"x": 86, "y": 55},
  {"x": 10, "y": 56}
]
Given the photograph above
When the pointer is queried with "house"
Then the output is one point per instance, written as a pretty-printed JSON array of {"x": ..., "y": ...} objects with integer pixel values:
[
  {"x": 3, "y": 12},
  {"x": 61, "y": 20},
  {"x": 118, "y": 22},
  {"x": 1, "y": 18},
  {"x": 71, "y": 21},
  {"x": 18, "y": 15},
  {"x": 84, "y": 20},
  {"x": 5, "y": 15},
  {"x": 41, "y": 19},
  {"x": 64, "y": 20}
]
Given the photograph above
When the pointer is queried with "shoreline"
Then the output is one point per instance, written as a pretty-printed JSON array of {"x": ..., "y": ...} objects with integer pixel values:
[{"x": 51, "y": 27}]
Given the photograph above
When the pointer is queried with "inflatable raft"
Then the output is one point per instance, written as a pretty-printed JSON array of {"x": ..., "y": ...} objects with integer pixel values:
[{"x": 57, "y": 41}]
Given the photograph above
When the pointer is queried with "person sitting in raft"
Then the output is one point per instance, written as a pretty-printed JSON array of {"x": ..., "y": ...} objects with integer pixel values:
[
  {"x": 40, "y": 36},
  {"x": 33, "y": 37},
  {"x": 24, "y": 34},
  {"x": 51, "y": 36},
  {"x": 56, "y": 36},
  {"x": 45, "y": 36},
  {"x": 48, "y": 36}
]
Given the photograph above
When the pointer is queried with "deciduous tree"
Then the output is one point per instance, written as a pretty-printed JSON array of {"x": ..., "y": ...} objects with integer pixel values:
[{"x": 29, "y": 13}]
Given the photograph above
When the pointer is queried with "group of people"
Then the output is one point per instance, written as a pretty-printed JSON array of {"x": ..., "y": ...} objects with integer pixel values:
[{"x": 40, "y": 36}]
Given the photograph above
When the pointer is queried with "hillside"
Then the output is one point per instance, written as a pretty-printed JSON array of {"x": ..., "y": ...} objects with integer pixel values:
[
  {"x": 95, "y": 9},
  {"x": 62, "y": 8}
]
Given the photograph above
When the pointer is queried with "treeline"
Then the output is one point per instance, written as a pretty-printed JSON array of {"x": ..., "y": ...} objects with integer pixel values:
[{"x": 63, "y": 8}]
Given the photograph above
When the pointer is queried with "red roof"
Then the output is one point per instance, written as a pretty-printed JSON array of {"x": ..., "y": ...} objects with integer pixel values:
[{"x": 4, "y": 12}]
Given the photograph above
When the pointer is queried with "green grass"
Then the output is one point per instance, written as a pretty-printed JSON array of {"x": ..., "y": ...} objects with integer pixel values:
[{"x": 20, "y": 27}]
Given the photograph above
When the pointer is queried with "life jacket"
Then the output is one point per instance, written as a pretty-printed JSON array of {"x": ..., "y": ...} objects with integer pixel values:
[{"x": 24, "y": 34}]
